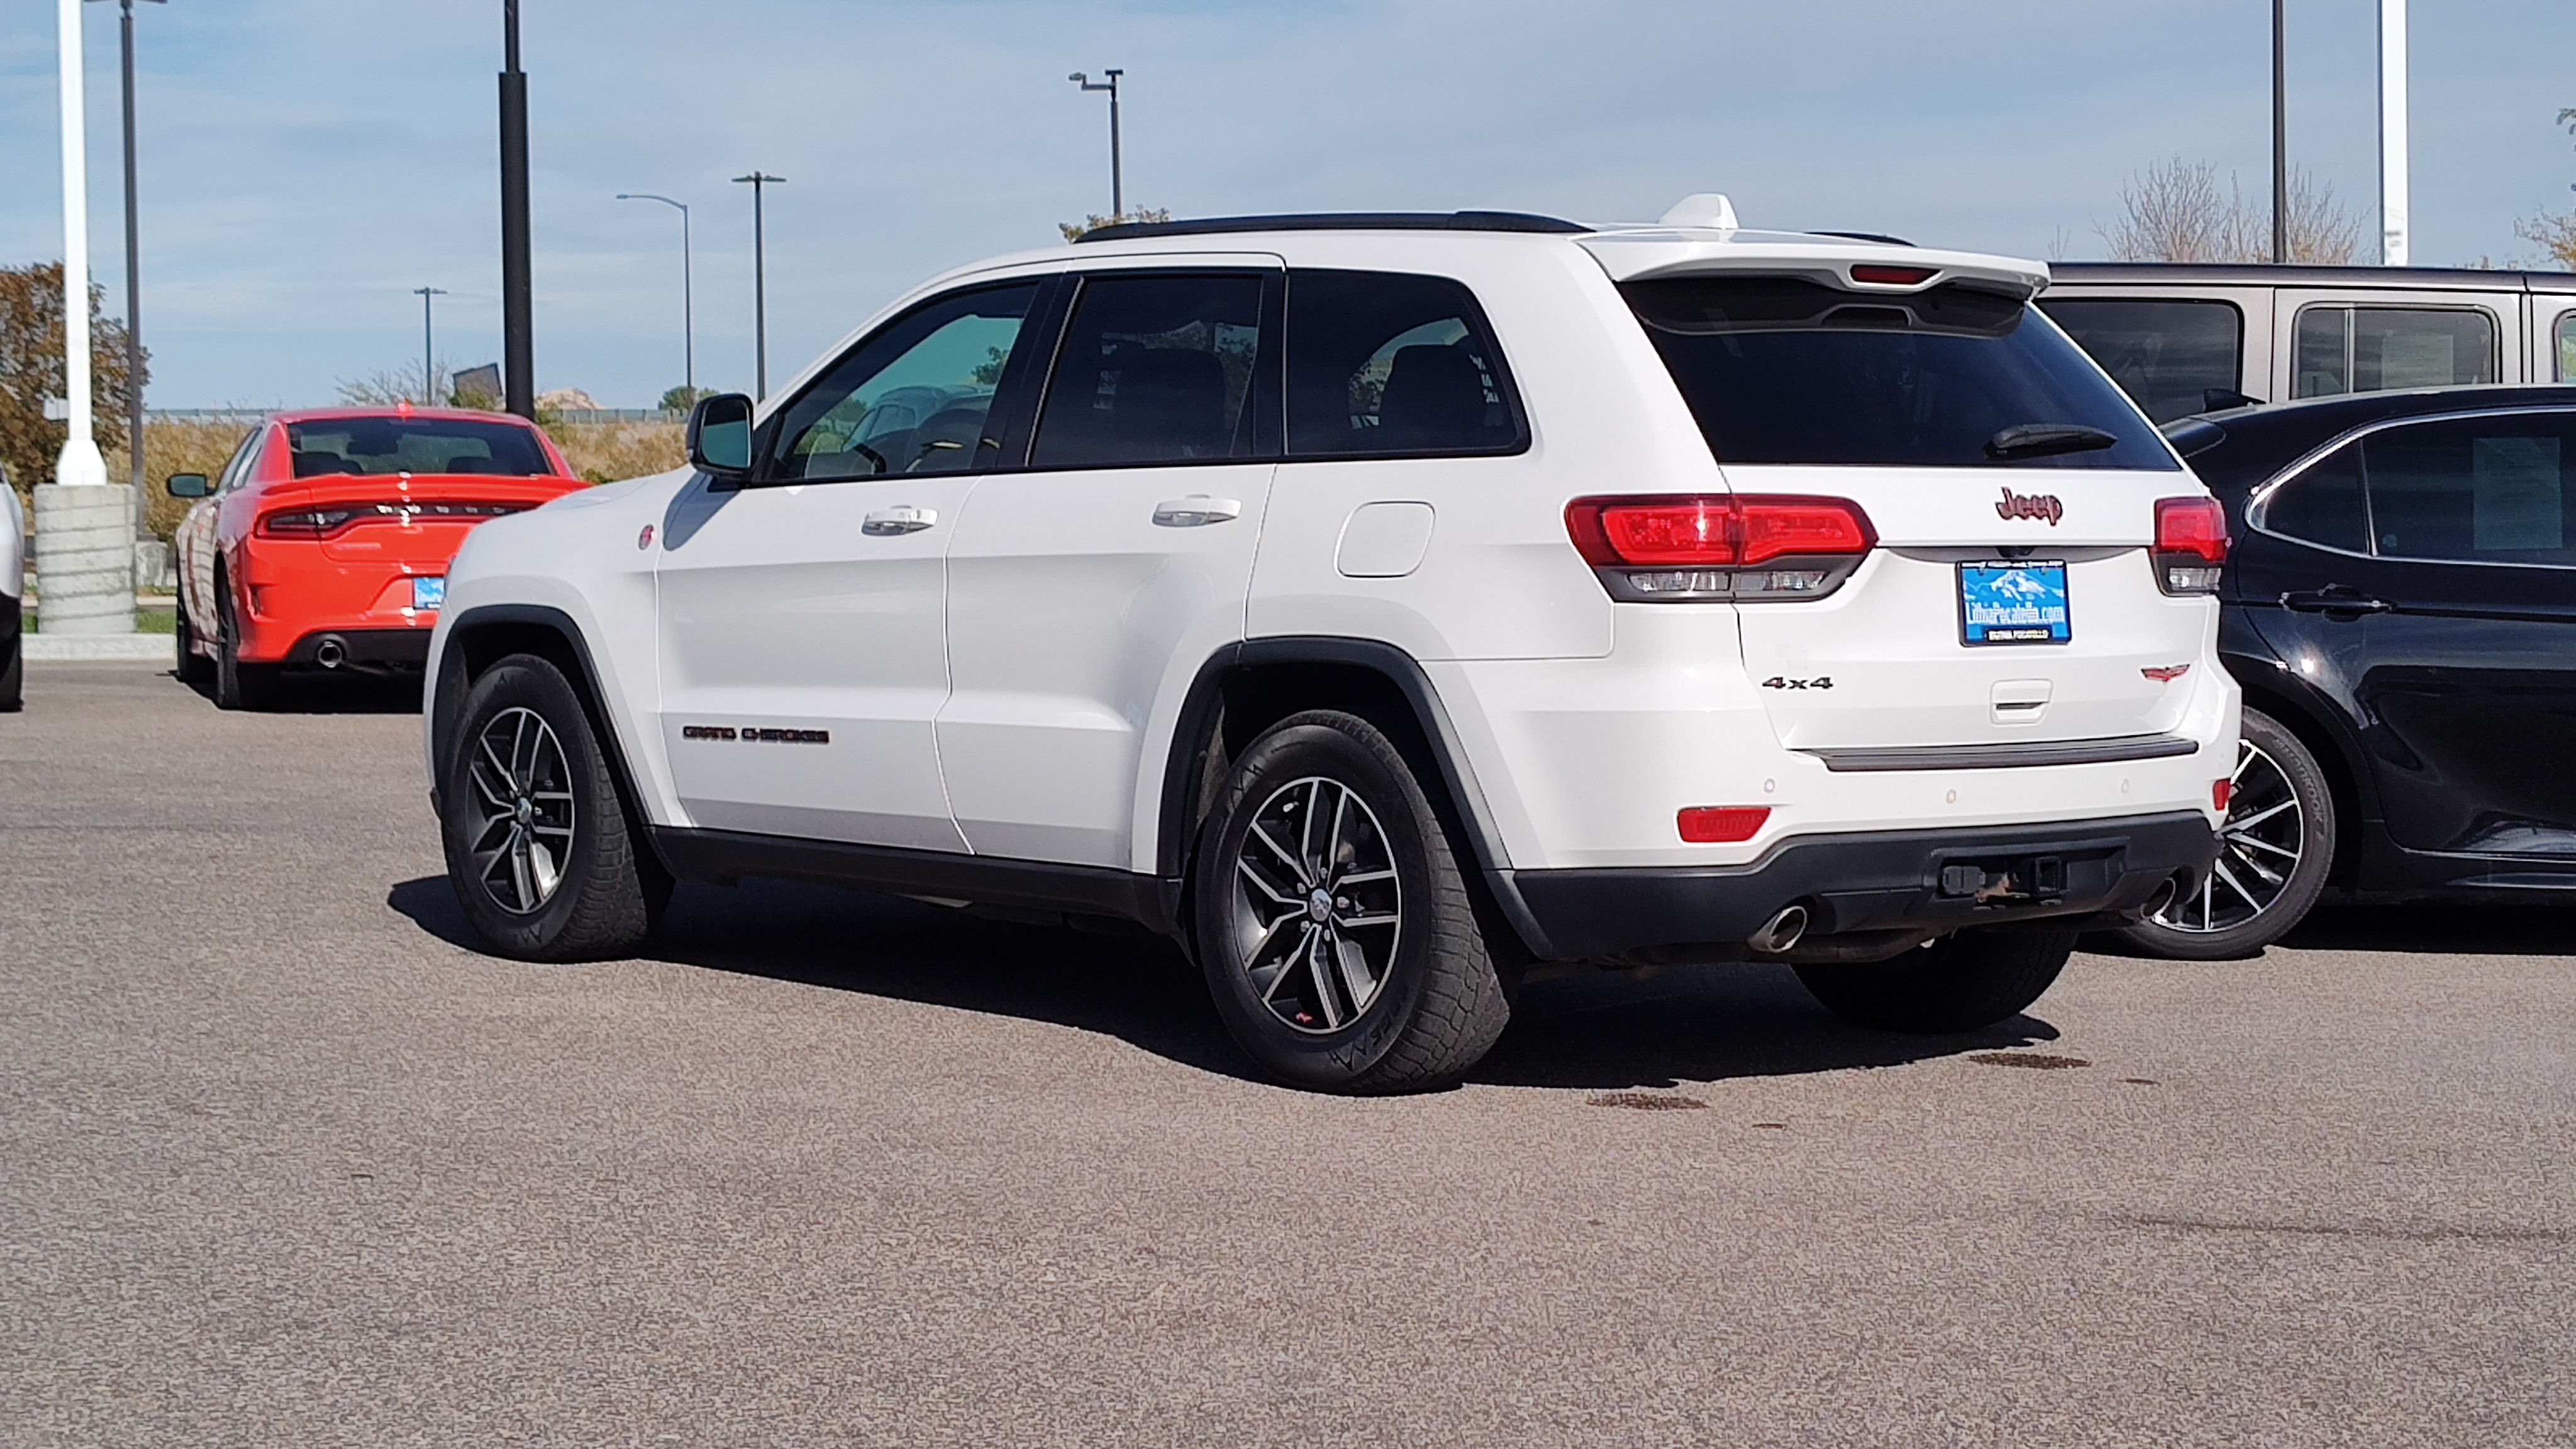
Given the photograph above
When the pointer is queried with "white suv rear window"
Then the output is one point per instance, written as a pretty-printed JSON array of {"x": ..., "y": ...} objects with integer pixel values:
[{"x": 1783, "y": 370}]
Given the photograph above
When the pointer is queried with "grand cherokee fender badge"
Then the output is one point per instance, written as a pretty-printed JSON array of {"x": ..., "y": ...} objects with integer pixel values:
[
  {"x": 751, "y": 736},
  {"x": 2030, "y": 505}
]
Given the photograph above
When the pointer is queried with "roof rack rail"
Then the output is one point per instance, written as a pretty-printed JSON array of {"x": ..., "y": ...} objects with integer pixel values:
[{"x": 1340, "y": 221}]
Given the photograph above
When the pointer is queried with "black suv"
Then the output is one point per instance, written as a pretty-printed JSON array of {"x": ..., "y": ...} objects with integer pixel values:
[{"x": 2400, "y": 607}]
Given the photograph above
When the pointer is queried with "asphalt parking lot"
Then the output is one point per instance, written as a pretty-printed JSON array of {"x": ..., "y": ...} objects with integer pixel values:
[{"x": 287, "y": 1161}]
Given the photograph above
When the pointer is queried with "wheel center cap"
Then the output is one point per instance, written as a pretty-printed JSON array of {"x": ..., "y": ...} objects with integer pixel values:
[
  {"x": 1319, "y": 906},
  {"x": 526, "y": 811}
]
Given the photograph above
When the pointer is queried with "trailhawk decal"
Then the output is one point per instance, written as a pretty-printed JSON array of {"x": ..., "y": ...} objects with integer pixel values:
[
  {"x": 751, "y": 736},
  {"x": 2030, "y": 505}
]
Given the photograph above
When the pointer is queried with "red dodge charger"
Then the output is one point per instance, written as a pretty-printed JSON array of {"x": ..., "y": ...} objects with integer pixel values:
[{"x": 326, "y": 539}]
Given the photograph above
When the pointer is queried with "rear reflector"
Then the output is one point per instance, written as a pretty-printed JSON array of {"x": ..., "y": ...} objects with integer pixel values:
[
  {"x": 2220, "y": 793},
  {"x": 2191, "y": 545},
  {"x": 1722, "y": 824},
  {"x": 1880, "y": 276}
]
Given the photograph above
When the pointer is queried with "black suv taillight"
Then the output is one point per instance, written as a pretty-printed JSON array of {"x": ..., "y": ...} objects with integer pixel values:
[
  {"x": 2191, "y": 545},
  {"x": 1745, "y": 548}
]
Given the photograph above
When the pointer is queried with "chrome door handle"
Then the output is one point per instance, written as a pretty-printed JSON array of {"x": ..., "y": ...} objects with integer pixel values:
[
  {"x": 1196, "y": 511},
  {"x": 902, "y": 518}
]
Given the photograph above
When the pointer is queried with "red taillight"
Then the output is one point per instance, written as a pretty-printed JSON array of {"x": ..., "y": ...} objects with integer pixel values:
[
  {"x": 1721, "y": 531},
  {"x": 1722, "y": 824},
  {"x": 309, "y": 522},
  {"x": 2220, "y": 793},
  {"x": 1686, "y": 548},
  {"x": 2193, "y": 526},
  {"x": 1881, "y": 276},
  {"x": 2191, "y": 545},
  {"x": 322, "y": 522}
]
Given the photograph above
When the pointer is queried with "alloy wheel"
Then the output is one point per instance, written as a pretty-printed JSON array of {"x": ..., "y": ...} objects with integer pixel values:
[
  {"x": 2260, "y": 847},
  {"x": 1318, "y": 910},
  {"x": 523, "y": 798}
]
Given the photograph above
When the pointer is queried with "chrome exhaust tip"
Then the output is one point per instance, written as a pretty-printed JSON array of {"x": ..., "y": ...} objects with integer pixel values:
[
  {"x": 1780, "y": 932},
  {"x": 330, "y": 653}
]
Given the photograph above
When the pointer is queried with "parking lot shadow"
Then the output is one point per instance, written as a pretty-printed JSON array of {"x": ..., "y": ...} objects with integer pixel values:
[
  {"x": 1596, "y": 1031},
  {"x": 2444, "y": 927},
  {"x": 306, "y": 692}
]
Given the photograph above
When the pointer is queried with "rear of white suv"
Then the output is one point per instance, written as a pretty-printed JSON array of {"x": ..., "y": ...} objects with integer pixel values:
[{"x": 1379, "y": 606}]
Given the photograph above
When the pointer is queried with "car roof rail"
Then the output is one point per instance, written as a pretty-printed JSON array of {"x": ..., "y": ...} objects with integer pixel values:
[{"x": 1519, "y": 221}]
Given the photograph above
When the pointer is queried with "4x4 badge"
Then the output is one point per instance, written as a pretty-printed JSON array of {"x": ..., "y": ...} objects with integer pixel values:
[{"x": 2030, "y": 505}]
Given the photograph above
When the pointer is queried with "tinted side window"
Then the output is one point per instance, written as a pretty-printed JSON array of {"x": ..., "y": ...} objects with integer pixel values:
[
  {"x": 238, "y": 470},
  {"x": 2374, "y": 349},
  {"x": 2169, "y": 356},
  {"x": 1154, "y": 369},
  {"x": 1785, "y": 370},
  {"x": 2485, "y": 490},
  {"x": 2323, "y": 505},
  {"x": 1381, "y": 362},
  {"x": 910, "y": 399},
  {"x": 2567, "y": 347}
]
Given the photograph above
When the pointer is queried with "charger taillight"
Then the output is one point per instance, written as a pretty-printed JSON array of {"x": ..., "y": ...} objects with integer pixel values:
[
  {"x": 1688, "y": 548},
  {"x": 2191, "y": 545}
]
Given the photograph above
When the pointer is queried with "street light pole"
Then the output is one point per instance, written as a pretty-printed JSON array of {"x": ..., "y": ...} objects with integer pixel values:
[
  {"x": 78, "y": 464},
  {"x": 133, "y": 265},
  {"x": 1117, "y": 181},
  {"x": 428, "y": 368},
  {"x": 688, "y": 303},
  {"x": 2280, "y": 137},
  {"x": 518, "y": 305},
  {"x": 759, "y": 284}
]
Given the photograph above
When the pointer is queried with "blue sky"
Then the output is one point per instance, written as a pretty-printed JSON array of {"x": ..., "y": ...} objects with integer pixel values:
[{"x": 306, "y": 163}]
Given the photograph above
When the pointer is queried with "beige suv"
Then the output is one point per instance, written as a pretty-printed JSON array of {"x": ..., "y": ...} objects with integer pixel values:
[{"x": 2189, "y": 338}]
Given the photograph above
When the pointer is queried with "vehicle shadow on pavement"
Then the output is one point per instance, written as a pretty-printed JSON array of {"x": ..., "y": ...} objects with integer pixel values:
[
  {"x": 309, "y": 693},
  {"x": 2443, "y": 928},
  {"x": 1597, "y": 1031}
]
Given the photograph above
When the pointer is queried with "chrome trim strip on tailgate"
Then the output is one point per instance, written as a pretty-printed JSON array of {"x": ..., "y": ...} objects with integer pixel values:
[{"x": 2014, "y": 755}]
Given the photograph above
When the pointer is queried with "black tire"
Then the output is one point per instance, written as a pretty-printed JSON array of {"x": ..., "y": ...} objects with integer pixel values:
[
  {"x": 1433, "y": 1004},
  {"x": 608, "y": 891},
  {"x": 194, "y": 668},
  {"x": 1961, "y": 982},
  {"x": 13, "y": 673},
  {"x": 237, "y": 685},
  {"x": 2274, "y": 768}
]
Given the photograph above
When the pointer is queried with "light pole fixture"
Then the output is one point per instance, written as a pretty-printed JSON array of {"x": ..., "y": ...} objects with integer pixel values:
[
  {"x": 688, "y": 306},
  {"x": 133, "y": 266},
  {"x": 79, "y": 463},
  {"x": 759, "y": 284},
  {"x": 518, "y": 304},
  {"x": 1117, "y": 181},
  {"x": 428, "y": 368}
]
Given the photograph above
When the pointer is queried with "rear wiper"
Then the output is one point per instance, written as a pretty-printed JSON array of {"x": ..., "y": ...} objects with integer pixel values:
[{"x": 2045, "y": 440}]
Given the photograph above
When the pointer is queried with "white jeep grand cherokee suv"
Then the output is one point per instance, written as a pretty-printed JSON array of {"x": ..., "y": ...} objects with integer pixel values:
[{"x": 1378, "y": 606}]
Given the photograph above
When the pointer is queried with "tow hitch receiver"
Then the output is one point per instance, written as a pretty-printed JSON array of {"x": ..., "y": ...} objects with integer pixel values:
[{"x": 2029, "y": 878}]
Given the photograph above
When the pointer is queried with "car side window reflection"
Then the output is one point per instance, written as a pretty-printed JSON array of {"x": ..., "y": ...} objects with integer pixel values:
[
  {"x": 914, "y": 398},
  {"x": 2372, "y": 349},
  {"x": 1154, "y": 369},
  {"x": 2475, "y": 490},
  {"x": 2567, "y": 347},
  {"x": 2324, "y": 505}
]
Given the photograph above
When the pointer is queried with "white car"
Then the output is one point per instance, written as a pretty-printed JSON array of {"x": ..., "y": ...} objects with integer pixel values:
[
  {"x": 1378, "y": 606},
  {"x": 13, "y": 590}
]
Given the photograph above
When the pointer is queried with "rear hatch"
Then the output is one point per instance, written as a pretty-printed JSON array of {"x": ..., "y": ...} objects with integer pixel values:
[
  {"x": 2015, "y": 590},
  {"x": 402, "y": 489}
]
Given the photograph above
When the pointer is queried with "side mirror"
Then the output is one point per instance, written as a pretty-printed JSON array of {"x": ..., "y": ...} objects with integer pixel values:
[
  {"x": 720, "y": 435},
  {"x": 188, "y": 485}
]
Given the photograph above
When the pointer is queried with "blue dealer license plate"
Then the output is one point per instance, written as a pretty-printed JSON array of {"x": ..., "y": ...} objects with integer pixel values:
[
  {"x": 2014, "y": 602},
  {"x": 427, "y": 593}
]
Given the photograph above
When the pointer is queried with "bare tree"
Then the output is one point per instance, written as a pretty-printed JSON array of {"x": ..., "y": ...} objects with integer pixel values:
[
  {"x": 2175, "y": 212},
  {"x": 2554, "y": 232},
  {"x": 388, "y": 386}
]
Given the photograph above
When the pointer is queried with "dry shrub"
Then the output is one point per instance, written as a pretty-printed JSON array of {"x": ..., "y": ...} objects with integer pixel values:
[
  {"x": 2175, "y": 212},
  {"x": 180, "y": 445},
  {"x": 608, "y": 452}
]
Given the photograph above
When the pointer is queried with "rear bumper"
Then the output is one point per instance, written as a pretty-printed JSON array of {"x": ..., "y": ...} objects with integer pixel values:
[
  {"x": 363, "y": 648},
  {"x": 1875, "y": 881}
]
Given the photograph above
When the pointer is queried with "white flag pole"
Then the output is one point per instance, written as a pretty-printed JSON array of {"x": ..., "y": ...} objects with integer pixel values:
[
  {"x": 80, "y": 462},
  {"x": 2392, "y": 133}
]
